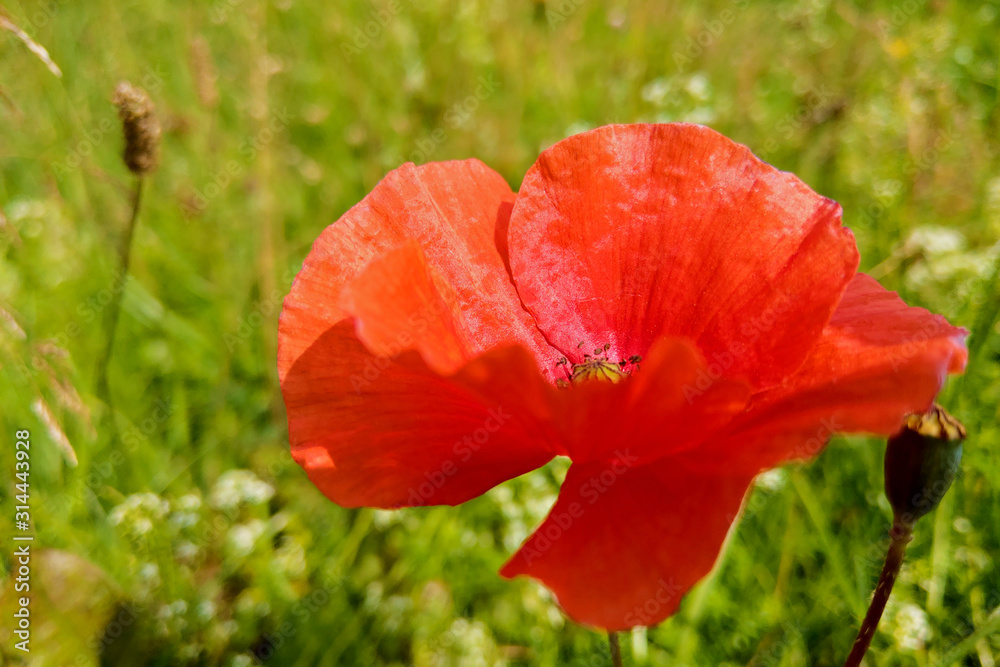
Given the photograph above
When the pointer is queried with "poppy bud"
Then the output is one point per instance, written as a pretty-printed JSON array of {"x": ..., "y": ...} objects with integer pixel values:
[
  {"x": 141, "y": 127},
  {"x": 921, "y": 462}
]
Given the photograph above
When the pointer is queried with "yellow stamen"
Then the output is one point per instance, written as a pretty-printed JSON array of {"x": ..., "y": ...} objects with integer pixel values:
[{"x": 596, "y": 369}]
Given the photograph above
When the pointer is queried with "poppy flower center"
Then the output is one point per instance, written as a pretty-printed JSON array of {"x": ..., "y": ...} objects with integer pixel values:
[{"x": 597, "y": 366}]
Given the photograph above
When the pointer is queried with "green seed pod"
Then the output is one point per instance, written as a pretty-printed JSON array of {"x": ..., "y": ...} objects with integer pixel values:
[{"x": 921, "y": 462}]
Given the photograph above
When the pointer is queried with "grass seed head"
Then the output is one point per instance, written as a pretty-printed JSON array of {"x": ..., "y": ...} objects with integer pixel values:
[{"x": 141, "y": 128}]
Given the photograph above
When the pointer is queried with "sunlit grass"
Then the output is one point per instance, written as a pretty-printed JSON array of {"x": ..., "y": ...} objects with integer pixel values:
[{"x": 277, "y": 118}]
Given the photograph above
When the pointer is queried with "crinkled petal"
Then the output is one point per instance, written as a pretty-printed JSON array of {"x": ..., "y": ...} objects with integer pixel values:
[
  {"x": 627, "y": 233},
  {"x": 877, "y": 361},
  {"x": 624, "y": 542},
  {"x": 452, "y": 211},
  {"x": 673, "y": 402},
  {"x": 400, "y": 302},
  {"x": 389, "y": 432}
]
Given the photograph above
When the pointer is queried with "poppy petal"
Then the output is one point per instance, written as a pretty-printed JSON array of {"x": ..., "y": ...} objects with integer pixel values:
[
  {"x": 380, "y": 432},
  {"x": 399, "y": 302},
  {"x": 627, "y": 233},
  {"x": 672, "y": 402},
  {"x": 452, "y": 210},
  {"x": 877, "y": 361},
  {"x": 623, "y": 544}
]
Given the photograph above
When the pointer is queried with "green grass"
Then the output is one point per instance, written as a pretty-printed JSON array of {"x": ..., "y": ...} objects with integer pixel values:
[{"x": 270, "y": 133}]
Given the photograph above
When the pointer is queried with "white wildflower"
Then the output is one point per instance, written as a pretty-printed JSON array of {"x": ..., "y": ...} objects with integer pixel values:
[
  {"x": 912, "y": 629},
  {"x": 239, "y": 487}
]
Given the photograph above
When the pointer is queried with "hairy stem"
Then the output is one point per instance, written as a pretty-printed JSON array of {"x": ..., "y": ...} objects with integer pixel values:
[{"x": 901, "y": 536}]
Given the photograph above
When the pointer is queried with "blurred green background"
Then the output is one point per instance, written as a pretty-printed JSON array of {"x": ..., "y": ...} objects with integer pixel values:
[{"x": 193, "y": 539}]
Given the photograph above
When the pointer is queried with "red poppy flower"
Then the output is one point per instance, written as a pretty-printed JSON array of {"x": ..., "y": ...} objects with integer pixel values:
[{"x": 656, "y": 303}]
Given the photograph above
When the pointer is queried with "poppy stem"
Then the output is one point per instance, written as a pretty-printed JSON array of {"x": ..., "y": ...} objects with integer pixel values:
[
  {"x": 616, "y": 650},
  {"x": 901, "y": 535}
]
